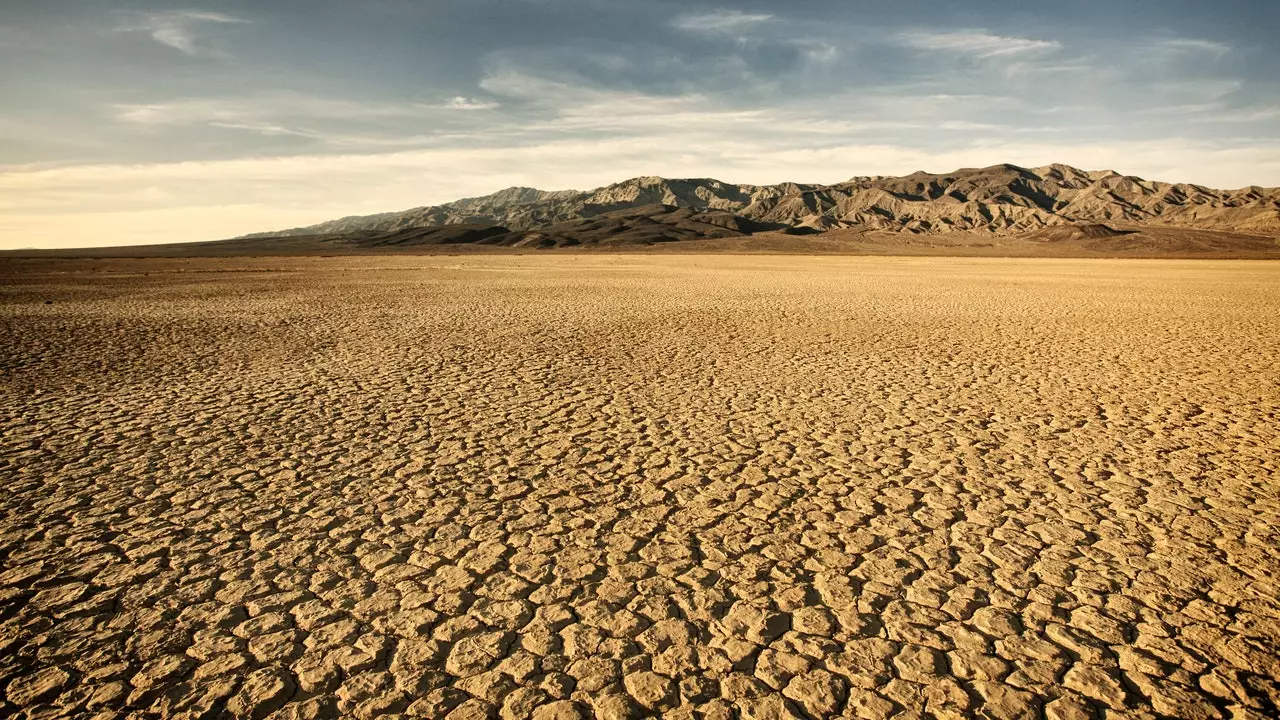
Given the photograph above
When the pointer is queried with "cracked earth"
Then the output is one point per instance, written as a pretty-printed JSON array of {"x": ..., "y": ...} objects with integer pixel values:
[{"x": 619, "y": 487}]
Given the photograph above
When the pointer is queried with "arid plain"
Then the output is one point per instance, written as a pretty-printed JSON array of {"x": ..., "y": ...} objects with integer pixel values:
[{"x": 626, "y": 486}]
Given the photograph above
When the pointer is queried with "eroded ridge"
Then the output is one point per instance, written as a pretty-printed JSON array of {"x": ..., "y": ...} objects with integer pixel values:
[{"x": 622, "y": 487}]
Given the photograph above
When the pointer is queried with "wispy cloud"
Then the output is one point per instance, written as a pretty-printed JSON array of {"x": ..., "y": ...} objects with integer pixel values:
[
  {"x": 263, "y": 110},
  {"x": 1217, "y": 112},
  {"x": 1193, "y": 45},
  {"x": 466, "y": 103},
  {"x": 179, "y": 29},
  {"x": 335, "y": 122},
  {"x": 720, "y": 21},
  {"x": 263, "y": 129},
  {"x": 978, "y": 43}
]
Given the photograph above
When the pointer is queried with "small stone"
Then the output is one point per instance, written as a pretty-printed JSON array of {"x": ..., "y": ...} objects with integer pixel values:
[
  {"x": 474, "y": 654},
  {"x": 521, "y": 703},
  {"x": 61, "y": 596},
  {"x": 666, "y": 633},
  {"x": 1092, "y": 621},
  {"x": 472, "y": 709},
  {"x": 996, "y": 622},
  {"x": 756, "y": 624},
  {"x": 558, "y": 685},
  {"x": 736, "y": 687},
  {"x": 313, "y": 614},
  {"x": 491, "y": 685},
  {"x": 316, "y": 708},
  {"x": 1002, "y": 702},
  {"x": 714, "y": 710},
  {"x": 868, "y": 705},
  {"x": 945, "y": 698},
  {"x": 263, "y": 692},
  {"x": 1175, "y": 701},
  {"x": 777, "y": 667},
  {"x": 970, "y": 665},
  {"x": 437, "y": 703},
  {"x": 107, "y": 695},
  {"x": 651, "y": 689},
  {"x": 594, "y": 674},
  {"x": 41, "y": 685},
  {"x": 819, "y": 692},
  {"x": 699, "y": 689},
  {"x": 770, "y": 707},
  {"x": 1068, "y": 708},
  {"x": 560, "y": 710},
  {"x": 920, "y": 664},
  {"x": 520, "y": 665},
  {"x": 317, "y": 675},
  {"x": 278, "y": 648},
  {"x": 228, "y": 664},
  {"x": 162, "y": 671},
  {"x": 614, "y": 707},
  {"x": 1097, "y": 684},
  {"x": 813, "y": 621}
]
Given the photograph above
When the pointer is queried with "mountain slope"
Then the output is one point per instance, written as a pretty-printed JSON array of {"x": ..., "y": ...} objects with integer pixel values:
[{"x": 1003, "y": 199}]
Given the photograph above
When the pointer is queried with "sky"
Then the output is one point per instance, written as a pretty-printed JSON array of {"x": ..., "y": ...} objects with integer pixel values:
[{"x": 127, "y": 122}]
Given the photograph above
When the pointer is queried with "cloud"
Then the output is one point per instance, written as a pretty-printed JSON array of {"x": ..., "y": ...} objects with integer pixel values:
[
  {"x": 262, "y": 128},
  {"x": 508, "y": 82},
  {"x": 978, "y": 43},
  {"x": 331, "y": 121},
  {"x": 180, "y": 29},
  {"x": 818, "y": 53},
  {"x": 274, "y": 108},
  {"x": 720, "y": 21},
  {"x": 465, "y": 103},
  {"x": 1218, "y": 112},
  {"x": 1191, "y": 45}
]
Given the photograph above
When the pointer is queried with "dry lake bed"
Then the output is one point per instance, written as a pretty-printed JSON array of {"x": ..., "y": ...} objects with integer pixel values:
[{"x": 566, "y": 486}]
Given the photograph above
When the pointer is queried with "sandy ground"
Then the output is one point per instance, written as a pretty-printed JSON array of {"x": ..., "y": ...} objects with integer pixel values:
[{"x": 627, "y": 486}]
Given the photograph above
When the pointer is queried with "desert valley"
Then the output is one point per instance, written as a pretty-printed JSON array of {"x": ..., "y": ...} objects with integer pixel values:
[{"x": 615, "y": 360}]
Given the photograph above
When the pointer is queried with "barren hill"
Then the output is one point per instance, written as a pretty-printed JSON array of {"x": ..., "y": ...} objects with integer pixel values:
[
  {"x": 1003, "y": 199},
  {"x": 1004, "y": 210}
]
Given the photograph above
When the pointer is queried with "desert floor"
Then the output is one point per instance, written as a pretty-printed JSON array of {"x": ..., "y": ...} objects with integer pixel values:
[{"x": 623, "y": 486}]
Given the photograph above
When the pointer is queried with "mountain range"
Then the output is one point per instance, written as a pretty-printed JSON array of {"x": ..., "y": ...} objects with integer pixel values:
[{"x": 1004, "y": 200}]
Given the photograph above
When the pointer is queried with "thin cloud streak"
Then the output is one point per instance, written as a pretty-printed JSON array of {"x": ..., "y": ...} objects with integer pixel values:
[
  {"x": 259, "y": 108},
  {"x": 465, "y": 103},
  {"x": 978, "y": 43},
  {"x": 178, "y": 29},
  {"x": 720, "y": 21},
  {"x": 1192, "y": 45}
]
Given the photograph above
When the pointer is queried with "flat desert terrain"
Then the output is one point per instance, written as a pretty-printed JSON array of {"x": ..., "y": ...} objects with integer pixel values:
[{"x": 625, "y": 486}]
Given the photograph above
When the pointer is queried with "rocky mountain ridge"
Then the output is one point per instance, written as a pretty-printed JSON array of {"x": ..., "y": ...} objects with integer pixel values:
[{"x": 1002, "y": 199}]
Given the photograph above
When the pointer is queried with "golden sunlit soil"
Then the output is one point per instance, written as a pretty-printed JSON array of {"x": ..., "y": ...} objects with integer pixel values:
[{"x": 625, "y": 486}]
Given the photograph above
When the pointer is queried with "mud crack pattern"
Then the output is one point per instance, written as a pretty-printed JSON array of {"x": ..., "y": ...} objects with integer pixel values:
[{"x": 618, "y": 487}]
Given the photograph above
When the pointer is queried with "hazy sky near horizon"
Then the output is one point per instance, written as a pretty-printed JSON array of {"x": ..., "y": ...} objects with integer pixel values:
[{"x": 151, "y": 121}]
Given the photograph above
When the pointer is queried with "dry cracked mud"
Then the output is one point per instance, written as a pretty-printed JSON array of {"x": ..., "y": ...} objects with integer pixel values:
[{"x": 690, "y": 487}]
